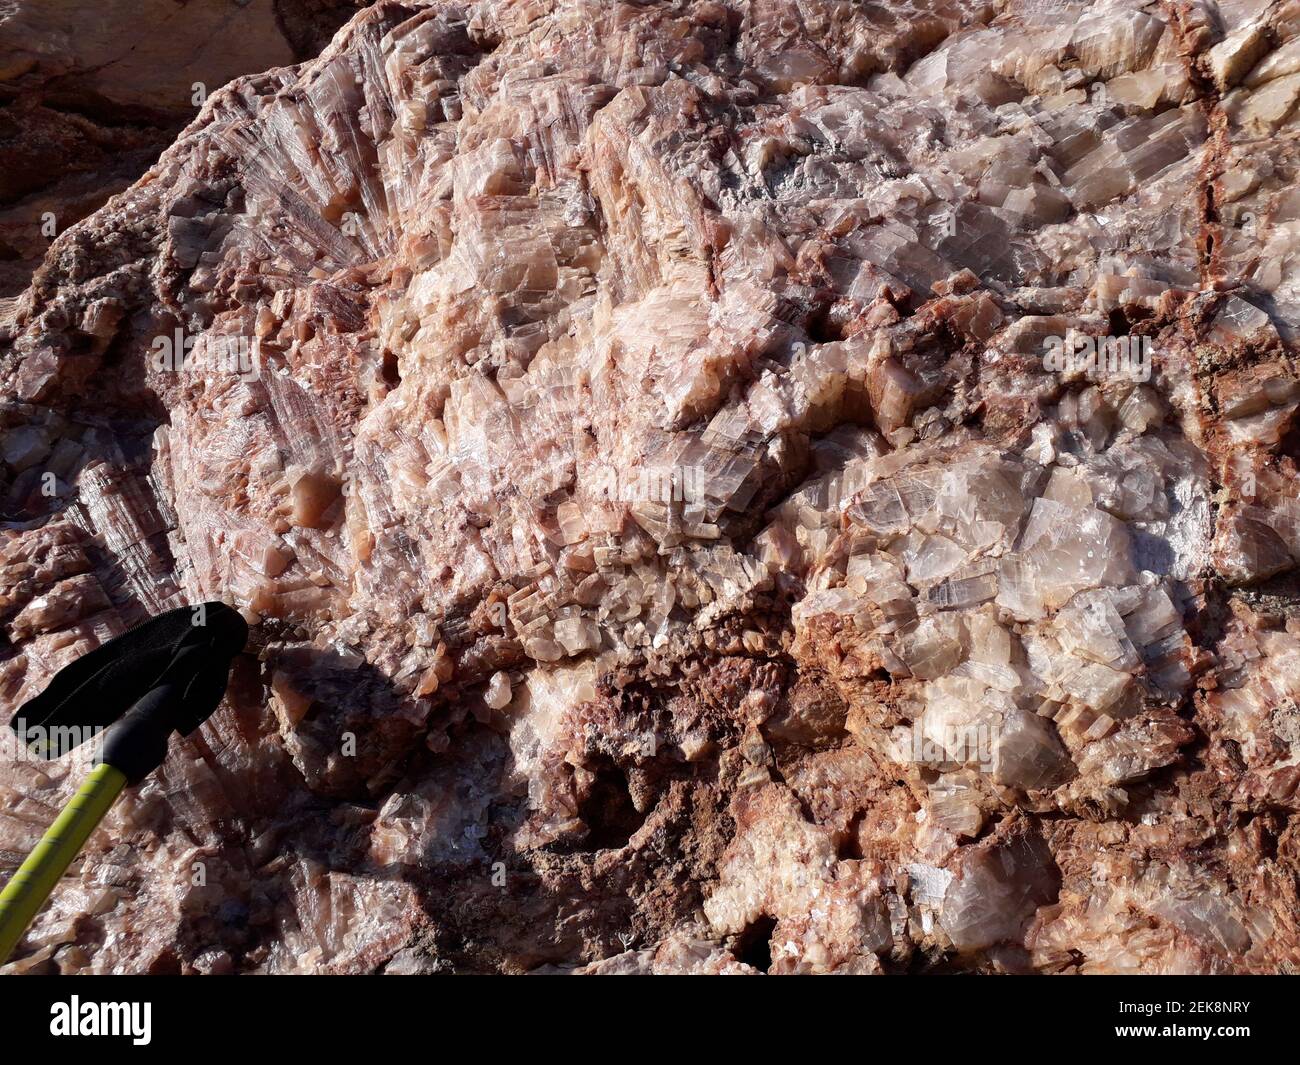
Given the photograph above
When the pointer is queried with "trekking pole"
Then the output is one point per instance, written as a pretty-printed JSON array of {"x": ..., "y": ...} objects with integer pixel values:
[
  {"x": 166, "y": 675},
  {"x": 28, "y": 888}
]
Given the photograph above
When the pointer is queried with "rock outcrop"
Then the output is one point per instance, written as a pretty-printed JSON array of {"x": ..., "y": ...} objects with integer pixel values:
[
  {"x": 786, "y": 486},
  {"x": 92, "y": 91}
]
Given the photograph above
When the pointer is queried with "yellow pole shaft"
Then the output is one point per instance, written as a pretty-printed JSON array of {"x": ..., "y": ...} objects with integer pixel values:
[{"x": 31, "y": 885}]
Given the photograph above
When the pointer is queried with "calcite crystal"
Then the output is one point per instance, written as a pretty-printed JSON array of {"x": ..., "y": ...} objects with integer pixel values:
[{"x": 719, "y": 487}]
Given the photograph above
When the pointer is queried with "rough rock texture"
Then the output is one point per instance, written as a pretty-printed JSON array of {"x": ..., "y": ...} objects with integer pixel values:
[
  {"x": 631, "y": 427},
  {"x": 92, "y": 91}
]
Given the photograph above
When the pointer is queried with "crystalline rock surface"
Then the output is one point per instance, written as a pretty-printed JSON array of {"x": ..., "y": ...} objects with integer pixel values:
[{"x": 668, "y": 547}]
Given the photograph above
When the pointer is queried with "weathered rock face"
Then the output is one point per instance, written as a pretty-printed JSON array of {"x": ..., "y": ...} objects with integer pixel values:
[
  {"x": 686, "y": 533},
  {"x": 92, "y": 91}
]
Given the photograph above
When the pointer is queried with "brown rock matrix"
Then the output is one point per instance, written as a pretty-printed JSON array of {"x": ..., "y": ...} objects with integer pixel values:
[{"x": 722, "y": 487}]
